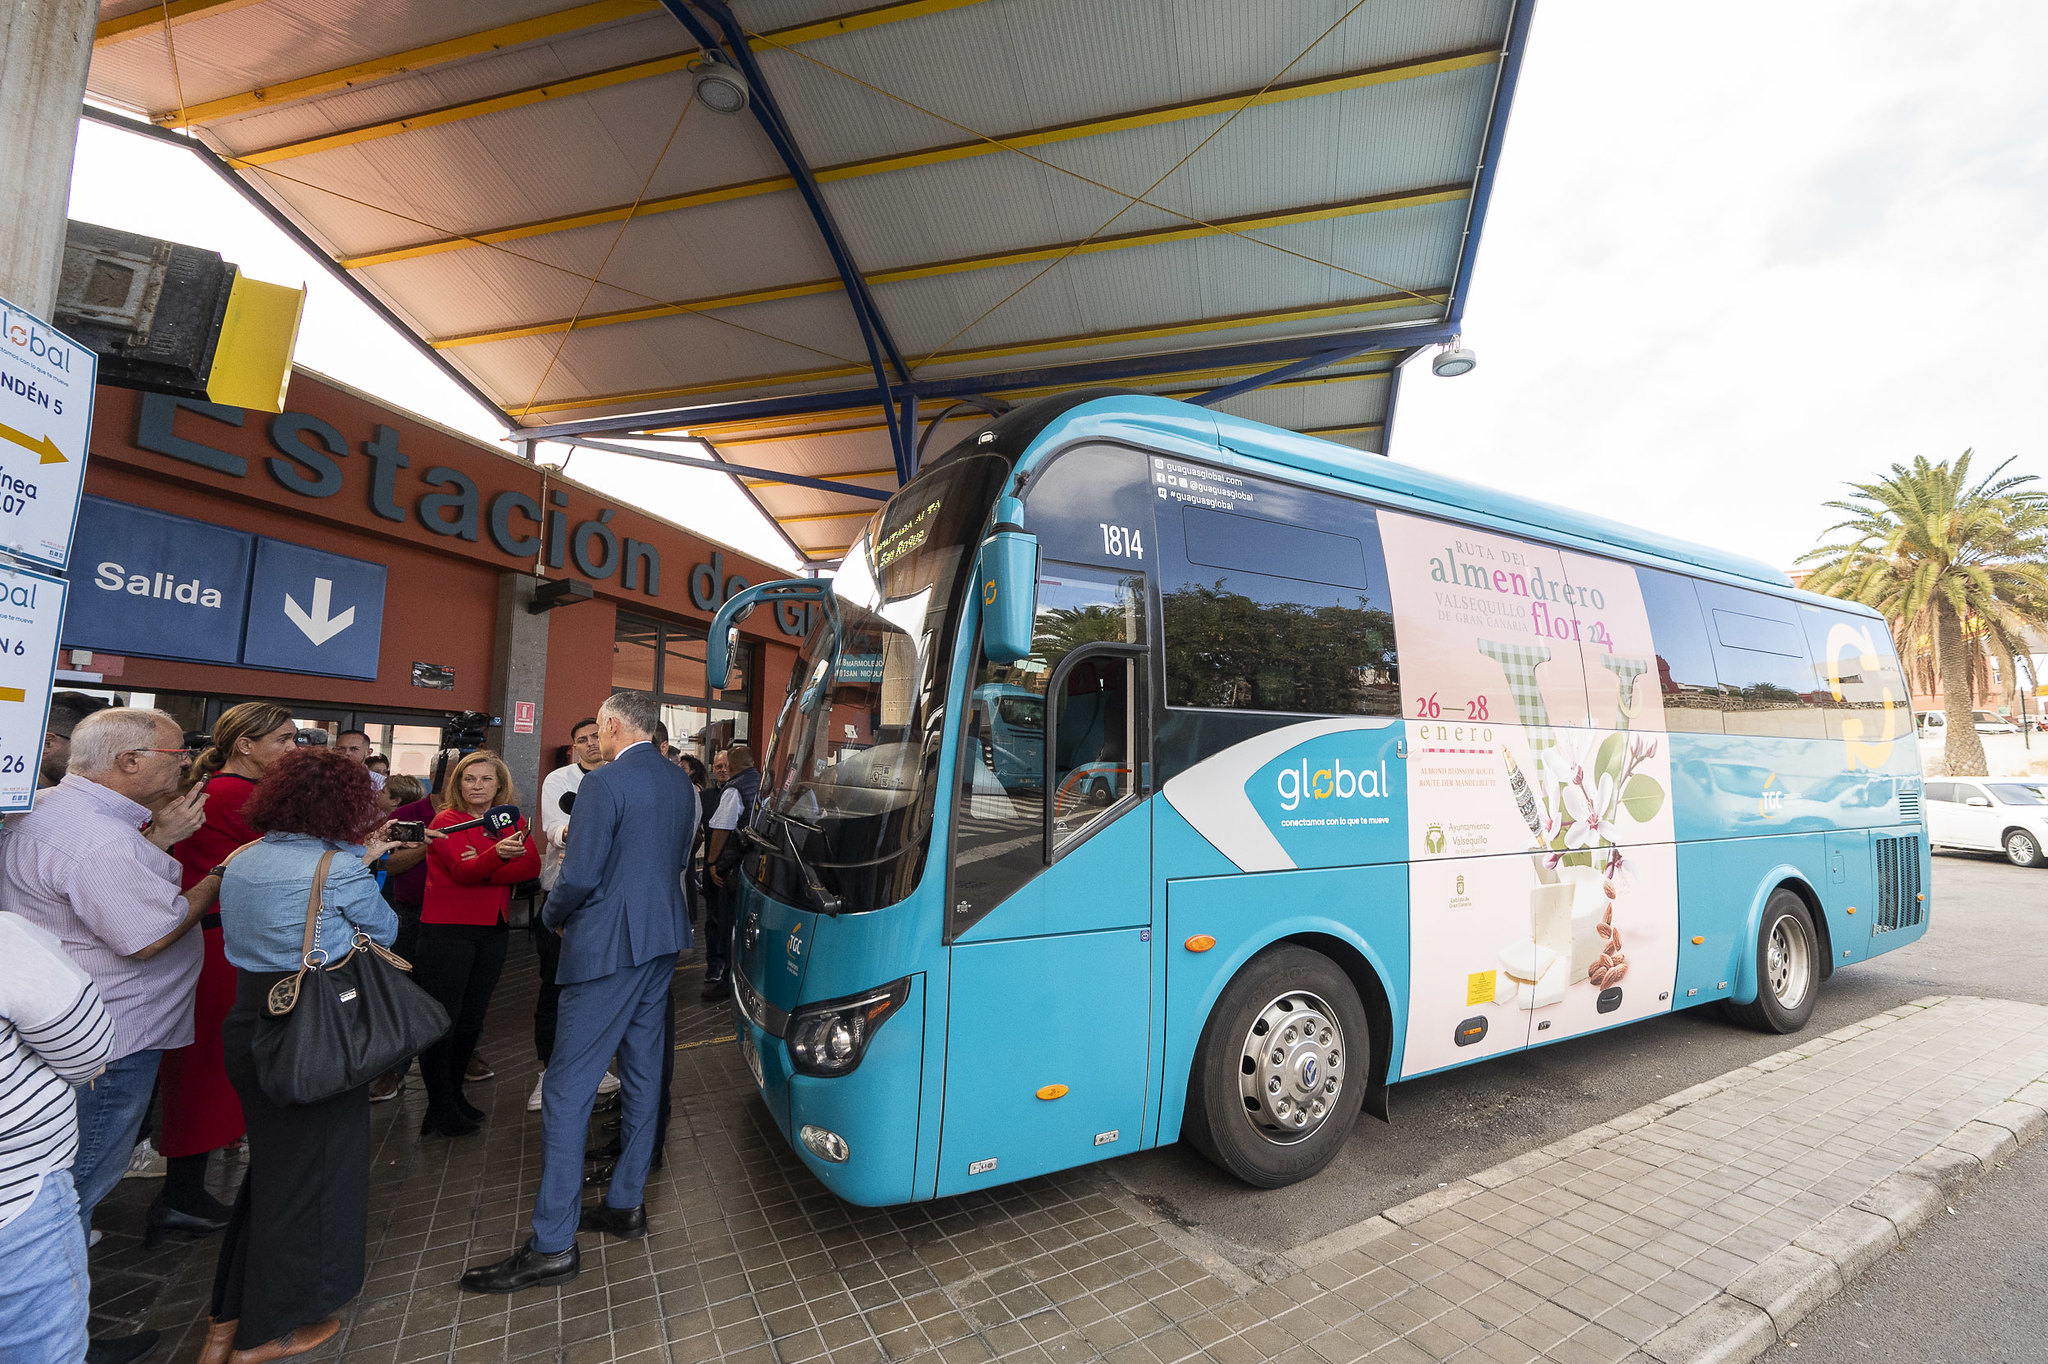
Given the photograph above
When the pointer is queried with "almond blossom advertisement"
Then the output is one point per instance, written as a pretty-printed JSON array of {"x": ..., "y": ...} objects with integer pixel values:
[{"x": 1543, "y": 896}]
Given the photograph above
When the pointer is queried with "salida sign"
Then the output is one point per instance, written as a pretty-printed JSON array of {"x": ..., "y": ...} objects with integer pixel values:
[{"x": 311, "y": 457}]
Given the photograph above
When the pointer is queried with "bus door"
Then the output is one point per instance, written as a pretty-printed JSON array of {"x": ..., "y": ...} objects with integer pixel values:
[{"x": 1049, "y": 1014}]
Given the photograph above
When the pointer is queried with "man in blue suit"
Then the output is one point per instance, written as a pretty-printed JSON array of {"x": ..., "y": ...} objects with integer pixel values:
[{"x": 619, "y": 907}]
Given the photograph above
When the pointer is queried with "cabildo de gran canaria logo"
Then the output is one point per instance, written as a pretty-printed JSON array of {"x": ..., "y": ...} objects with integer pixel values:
[{"x": 1334, "y": 781}]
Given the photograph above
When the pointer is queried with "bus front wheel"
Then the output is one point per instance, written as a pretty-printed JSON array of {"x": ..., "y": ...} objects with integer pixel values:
[
  {"x": 1280, "y": 1075},
  {"x": 1787, "y": 968}
]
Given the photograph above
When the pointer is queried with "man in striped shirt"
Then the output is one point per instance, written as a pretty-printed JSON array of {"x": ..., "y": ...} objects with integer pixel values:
[
  {"x": 53, "y": 1034},
  {"x": 79, "y": 867}
]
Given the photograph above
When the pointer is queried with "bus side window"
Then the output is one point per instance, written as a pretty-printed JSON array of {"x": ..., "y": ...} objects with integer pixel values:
[
  {"x": 1095, "y": 742},
  {"x": 1685, "y": 661},
  {"x": 1760, "y": 654},
  {"x": 1856, "y": 669},
  {"x": 999, "y": 813},
  {"x": 1282, "y": 606}
]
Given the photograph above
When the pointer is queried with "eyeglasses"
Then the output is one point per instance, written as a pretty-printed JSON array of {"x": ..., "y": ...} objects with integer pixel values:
[{"x": 181, "y": 752}]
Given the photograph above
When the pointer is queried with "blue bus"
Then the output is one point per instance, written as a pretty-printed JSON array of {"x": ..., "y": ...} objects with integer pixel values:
[{"x": 1347, "y": 772}]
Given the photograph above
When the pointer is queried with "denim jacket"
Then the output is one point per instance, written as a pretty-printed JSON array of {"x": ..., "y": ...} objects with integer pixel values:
[{"x": 263, "y": 902}]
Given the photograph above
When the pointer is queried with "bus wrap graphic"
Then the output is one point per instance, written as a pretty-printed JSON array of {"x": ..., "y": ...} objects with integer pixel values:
[{"x": 1539, "y": 783}]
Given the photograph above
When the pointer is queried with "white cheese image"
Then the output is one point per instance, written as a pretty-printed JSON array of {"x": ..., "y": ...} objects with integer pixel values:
[
  {"x": 1550, "y": 989},
  {"x": 1527, "y": 960},
  {"x": 1564, "y": 919}
]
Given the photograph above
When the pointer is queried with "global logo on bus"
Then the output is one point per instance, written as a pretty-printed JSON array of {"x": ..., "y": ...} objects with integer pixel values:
[{"x": 1328, "y": 781}]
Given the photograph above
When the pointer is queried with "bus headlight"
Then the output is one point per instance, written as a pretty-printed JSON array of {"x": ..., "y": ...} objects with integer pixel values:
[{"x": 830, "y": 1038}]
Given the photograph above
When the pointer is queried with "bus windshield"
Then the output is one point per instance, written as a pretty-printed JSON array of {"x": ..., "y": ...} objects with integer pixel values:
[{"x": 848, "y": 784}]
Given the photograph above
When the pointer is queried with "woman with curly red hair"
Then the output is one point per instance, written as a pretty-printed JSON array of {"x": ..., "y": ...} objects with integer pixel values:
[{"x": 297, "y": 1237}]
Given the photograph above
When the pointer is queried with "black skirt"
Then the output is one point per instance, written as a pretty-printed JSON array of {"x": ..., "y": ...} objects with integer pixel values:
[{"x": 297, "y": 1240}]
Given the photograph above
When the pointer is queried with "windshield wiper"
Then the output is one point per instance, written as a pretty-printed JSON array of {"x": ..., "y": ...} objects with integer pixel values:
[{"x": 827, "y": 902}]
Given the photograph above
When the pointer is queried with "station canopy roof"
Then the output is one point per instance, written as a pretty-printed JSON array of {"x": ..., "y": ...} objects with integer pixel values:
[{"x": 1262, "y": 204}]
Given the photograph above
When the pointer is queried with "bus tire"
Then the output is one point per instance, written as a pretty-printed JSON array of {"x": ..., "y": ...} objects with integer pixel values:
[
  {"x": 2022, "y": 849},
  {"x": 1787, "y": 967},
  {"x": 1281, "y": 1072}
]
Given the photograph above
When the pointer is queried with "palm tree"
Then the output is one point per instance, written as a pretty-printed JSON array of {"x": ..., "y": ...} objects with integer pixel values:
[{"x": 1956, "y": 567}]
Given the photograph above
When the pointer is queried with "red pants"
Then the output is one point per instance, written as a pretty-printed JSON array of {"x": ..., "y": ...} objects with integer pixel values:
[{"x": 201, "y": 1110}]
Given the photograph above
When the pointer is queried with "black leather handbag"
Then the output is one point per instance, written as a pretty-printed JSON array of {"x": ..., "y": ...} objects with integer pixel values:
[{"x": 335, "y": 1025}]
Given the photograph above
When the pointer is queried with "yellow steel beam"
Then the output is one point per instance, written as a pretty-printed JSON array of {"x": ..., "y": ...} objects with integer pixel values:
[
  {"x": 865, "y": 428},
  {"x": 955, "y": 151},
  {"x": 456, "y": 113},
  {"x": 584, "y": 84},
  {"x": 134, "y": 25},
  {"x": 1229, "y": 323},
  {"x": 862, "y": 513},
  {"x": 375, "y": 69},
  {"x": 1342, "y": 430},
  {"x": 1251, "y": 222}
]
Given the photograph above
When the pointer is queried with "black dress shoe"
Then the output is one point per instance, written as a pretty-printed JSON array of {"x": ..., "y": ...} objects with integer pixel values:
[
  {"x": 714, "y": 990},
  {"x": 526, "y": 1268},
  {"x": 609, "y": 1103},
  {"x": 451, "y": 1125},
  {"x": 627, "y": 1223},
  {"x": 609, "y": 1151},
  {"x": 600, "y": 1175},
  {"x": 468, "y": 1109},
  {"x": 610, "y": 1126},
  {"x": 163, "y": 1220},
  {"x": 122, "y": 1349}
]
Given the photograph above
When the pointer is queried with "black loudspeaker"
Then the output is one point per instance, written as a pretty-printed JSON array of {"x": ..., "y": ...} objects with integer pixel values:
[{"x": 151, "y": 310}]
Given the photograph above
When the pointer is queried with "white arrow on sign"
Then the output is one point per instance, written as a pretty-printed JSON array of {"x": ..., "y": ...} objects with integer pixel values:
[{"x": 318, "y": 625}]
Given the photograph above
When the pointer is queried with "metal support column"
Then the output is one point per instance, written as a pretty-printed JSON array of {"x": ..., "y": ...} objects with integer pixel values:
[{"x": 45, "y": 48}]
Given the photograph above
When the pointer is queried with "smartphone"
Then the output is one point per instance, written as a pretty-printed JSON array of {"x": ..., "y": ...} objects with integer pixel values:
[{"x": 407, "y": 831}]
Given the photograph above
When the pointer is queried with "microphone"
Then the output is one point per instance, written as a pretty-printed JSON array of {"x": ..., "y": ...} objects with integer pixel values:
[{"x": 500, "y": 819}]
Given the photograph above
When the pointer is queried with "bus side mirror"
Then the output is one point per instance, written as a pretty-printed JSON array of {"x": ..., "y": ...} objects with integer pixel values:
[
  {"x": 722, "y": 643},
  {"x": 1008, "y": 582}
]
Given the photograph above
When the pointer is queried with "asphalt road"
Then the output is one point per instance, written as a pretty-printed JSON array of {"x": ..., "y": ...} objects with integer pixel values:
[
  {"x": 1965, "y": 1289},
  {"x": 1453, "y": 1124}
]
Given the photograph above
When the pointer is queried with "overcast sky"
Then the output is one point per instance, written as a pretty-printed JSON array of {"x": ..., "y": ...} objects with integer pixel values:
[
  {"x": 1739, "y": 254},
  {"x": 1735, "y": 257}
]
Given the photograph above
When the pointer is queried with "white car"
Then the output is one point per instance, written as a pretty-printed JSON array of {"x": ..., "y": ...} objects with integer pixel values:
[
  {"x": 1990, "y": 816},
  {"x": 1934, "y": 723}
]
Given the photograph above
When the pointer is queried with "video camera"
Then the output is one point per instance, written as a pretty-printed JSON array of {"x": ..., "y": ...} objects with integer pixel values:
[
  {"x": 462, "y": 734},
  {"x": 466, "y": 730}
]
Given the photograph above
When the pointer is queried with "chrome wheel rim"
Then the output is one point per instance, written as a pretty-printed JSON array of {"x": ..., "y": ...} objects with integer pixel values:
[
  {"x": 1291, "y": 1072},
  {"x": 1786, "y": 962},
  {"x": 2020, "y": 849}
]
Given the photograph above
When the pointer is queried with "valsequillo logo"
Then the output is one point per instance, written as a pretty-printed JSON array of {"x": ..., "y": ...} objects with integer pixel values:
[{"x": 1336, "y": 781}]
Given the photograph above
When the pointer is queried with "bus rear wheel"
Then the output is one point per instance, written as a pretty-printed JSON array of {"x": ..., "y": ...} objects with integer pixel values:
[
  {"x": 1787, "y": 968},
  {"x": 1280, "y": 1075}
]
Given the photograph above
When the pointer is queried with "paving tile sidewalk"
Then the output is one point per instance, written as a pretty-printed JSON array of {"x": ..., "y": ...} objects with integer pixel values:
[{"x": 1622, "y": 1242}]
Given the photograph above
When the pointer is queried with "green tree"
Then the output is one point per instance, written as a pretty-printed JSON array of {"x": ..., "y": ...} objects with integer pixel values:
[{"x": 1956, "y": 567}]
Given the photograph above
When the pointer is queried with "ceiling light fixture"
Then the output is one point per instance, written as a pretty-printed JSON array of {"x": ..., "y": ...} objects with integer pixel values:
[
  {"x": 1452, "y": 361},
  {"x": 720, "y": 86}
]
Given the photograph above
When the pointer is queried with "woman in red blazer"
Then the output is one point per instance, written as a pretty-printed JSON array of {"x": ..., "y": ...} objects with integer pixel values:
[
  {"x": 200, "y": 1111},
  {"x": 470, "y": 875}
]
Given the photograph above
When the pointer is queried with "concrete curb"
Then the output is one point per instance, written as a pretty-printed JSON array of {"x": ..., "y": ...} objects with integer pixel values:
[
  {"x": 1763, "y": 1305},
  {"x": 1312, "y": 1253}
]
